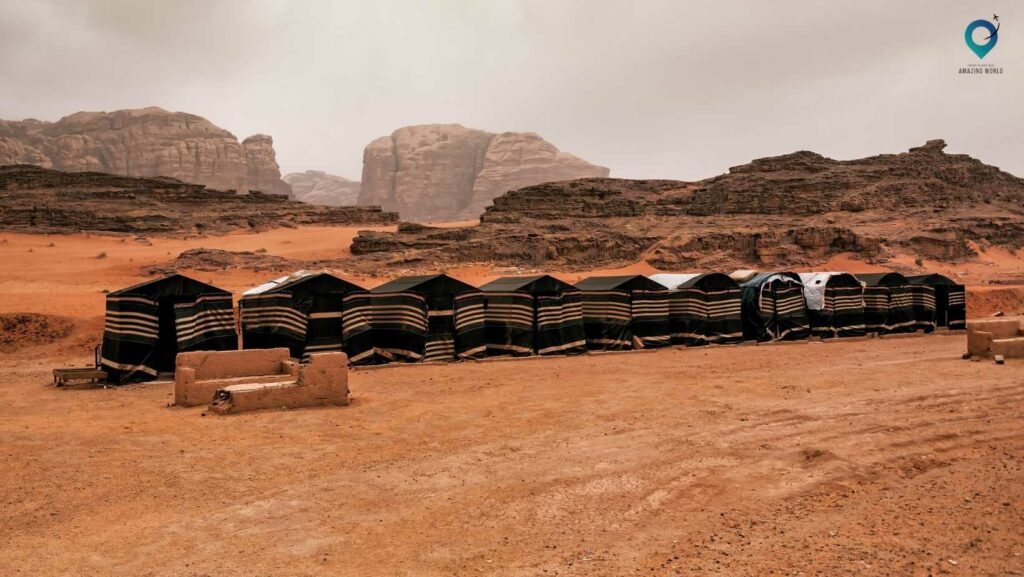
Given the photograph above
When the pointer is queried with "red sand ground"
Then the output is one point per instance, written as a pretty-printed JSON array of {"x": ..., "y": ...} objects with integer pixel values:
[{"x": 869, "y": 457}]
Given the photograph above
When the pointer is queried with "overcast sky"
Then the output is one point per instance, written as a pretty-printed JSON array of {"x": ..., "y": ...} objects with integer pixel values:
[{"x": 651, "y": 89}]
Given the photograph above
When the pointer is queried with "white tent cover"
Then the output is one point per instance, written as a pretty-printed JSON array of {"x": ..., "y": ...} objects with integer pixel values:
[{"x": 814, "y": 288}]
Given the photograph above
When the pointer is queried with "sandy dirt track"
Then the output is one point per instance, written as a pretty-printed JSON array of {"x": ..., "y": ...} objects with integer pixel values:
[{"x": 874, "y": 457}]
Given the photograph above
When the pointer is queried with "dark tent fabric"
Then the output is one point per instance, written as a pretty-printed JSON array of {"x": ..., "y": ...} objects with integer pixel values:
[
  {"x": 950, "y": 300},
  {"x": 624, "y": 312},
  {"x": 440, "y": 291},
  {"x": 923, "y": 299},
  {"x": 835, "y": 304},
  {"x": 470, "y": 326},
  {"x": 148, "y": 324},
  {"x": 773, "y": 307},
  {"x": 303, "y": 313},
  {"x": 357, "y": 328},
  {"x": 704, "y": 308},
  {"x": 533, "y": 315},
  {"x": 888, "y": 305},
  {"x": 399, "y": 326}
]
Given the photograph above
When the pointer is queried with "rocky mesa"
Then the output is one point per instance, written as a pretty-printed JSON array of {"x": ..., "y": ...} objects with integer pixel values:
[
  {"x": 146, "y": 142},
  {"x": 41, "y": 200},
  {"x": 791, "y": 210},
  {"x": 449, "y": 172}
]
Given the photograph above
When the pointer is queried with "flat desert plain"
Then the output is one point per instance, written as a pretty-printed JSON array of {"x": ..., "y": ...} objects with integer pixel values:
[{"x": 887, "y": 456}]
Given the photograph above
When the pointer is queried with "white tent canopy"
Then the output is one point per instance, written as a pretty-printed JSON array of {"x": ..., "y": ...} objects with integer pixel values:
[
  {"x": 672, "y": 281},
  {"x": 269, "y": 285},
  {"x": 814, "y": 288}
]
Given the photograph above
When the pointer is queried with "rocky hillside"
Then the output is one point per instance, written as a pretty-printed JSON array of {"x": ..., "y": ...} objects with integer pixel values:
[
  {"x": 318, "y": 187},
  {"x": 35, "y": 199},
  {"x": 796, "y": 209},
  {"x": 146, "y": 142},
  {"x": 449, "y": 172}
]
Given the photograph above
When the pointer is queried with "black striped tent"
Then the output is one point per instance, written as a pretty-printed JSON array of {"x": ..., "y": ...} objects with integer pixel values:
[
  {"x": 950, "y": 300},
  {"x": 399, "y": 326},
  {"x": 303, "y": 312},
  {"x": 835, "y": 304},
  {"x": 148, "y": 324},
  {"x": 624, "y": 312},
  {"x": 455, "y": 313},
  {"x": 888, "y": 305},
  {"x": 773, "y": 307},
  {"x": 533, "y": 315},
  {"x": 704, "y": 308}
]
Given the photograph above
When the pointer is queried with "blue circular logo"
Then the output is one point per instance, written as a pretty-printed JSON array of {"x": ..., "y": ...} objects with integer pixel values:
[{"x": 993, "y": 36}]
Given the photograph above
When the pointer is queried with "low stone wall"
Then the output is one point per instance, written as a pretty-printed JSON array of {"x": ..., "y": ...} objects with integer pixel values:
[
  {"x": 991, "y": 337},
  {"x": 321, "y": 382},
  {"x": 199, "y": 374}
]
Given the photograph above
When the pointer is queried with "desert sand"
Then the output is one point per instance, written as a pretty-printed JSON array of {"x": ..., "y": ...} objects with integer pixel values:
[{"x": 885, "y": 456}]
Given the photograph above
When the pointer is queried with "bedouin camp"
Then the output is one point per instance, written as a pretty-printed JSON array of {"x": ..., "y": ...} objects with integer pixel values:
[
  {"x": 704, "y": 308},
  {"x": 533, "y": 315},
  {"x": 773, "y": 306},
  {"x": 950, "y": 300},
  {"x": 888, "y": 307},
  {"x": 301, "y": 311},
  {"x": 835, "y": 304},
  {"x": 624, "y": 312},
  {"x": 455, "y": 315},
  {"x": 148, "y": 324}
]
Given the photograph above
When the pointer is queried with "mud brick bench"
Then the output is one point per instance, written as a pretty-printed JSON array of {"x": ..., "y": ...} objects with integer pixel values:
[
  {"x": 1002, "y": 337},
  {"x": 199, "y": 375},
  {"x": 322, "y": 381}
]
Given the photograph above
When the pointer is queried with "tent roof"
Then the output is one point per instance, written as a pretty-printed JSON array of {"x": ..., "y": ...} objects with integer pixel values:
[
  {"x": 302, "y": 278},
  {"x": 765, "y": 277},
  {"x": 624, "y": 282},
  {"x": 704, "y": 280},
  {"x": 828, "y": 279},
  {"x": 933, "y": 279},
  {"x": 431, "y": 284},
  {"x": 174, "y": 284},
  {"x": 535, "y": 283},
  {"x": 882, "y": 279}
]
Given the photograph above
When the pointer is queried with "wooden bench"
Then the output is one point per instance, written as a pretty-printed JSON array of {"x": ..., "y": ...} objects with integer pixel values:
[{"x": 62, "y": 377}]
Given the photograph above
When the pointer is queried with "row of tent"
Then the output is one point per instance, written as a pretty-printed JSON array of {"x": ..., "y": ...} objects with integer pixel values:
[{"x": 439, "y": 318}]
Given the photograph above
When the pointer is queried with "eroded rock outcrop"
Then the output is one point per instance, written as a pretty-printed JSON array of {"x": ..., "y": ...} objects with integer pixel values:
[
  {"x": 450, "y": 172},
  {"x": 146, "y": 142},
  {"x": 35, "y": 199},
  {"x": 792, "y": 210},
  {"x": 319, "y": 187}
]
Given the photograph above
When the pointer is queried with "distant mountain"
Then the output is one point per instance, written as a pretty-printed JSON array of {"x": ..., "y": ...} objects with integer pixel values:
[
  {"x": 146, "y": 142},
  {"x": 447, "y": 172},
  {"x": 318, "y": 187}
]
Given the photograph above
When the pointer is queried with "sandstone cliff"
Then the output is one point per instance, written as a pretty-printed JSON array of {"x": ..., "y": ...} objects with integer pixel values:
[
  {"x": 791, "y": 210},
  {"x": 145, "y": 142},
  {"x": 449, "y": 172},
  {"x": 318, "y": 187},
  {"x": 40, "y": 200}
]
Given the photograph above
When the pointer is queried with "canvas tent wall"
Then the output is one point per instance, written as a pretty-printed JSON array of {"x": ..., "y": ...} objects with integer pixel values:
[
  {"x": 835, "y": 304},
  {"x": 773, "y": 307},
  {"x": 624, "y": 312},
  {"x": 303, "y": 312},
  {"x": 950, "y": 300},
  {"x": 455, "y": 313},
  {"x": 148, "y": 324},
  {"x": 704, "y": 308},
  {"x": 533, "y": 315},
  {"x": 888, "y": 305}
]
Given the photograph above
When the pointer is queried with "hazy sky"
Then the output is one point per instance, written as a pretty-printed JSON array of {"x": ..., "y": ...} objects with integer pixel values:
[{"x": 651, "y": 89}]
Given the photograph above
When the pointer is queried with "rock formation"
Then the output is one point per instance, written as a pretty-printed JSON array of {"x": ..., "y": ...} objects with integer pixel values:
[
  {"x": 449, "y": 172},
  {"x": 34, "y": 199},
  {"x": 791, "y": 210},
  {"x": 318, "y": 187},
  {"x": 147, "y": 142}
]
